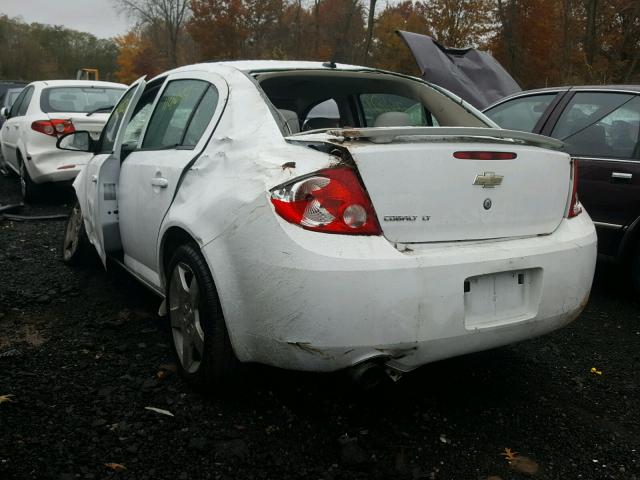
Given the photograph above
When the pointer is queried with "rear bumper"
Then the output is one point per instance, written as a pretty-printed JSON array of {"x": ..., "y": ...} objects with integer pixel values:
[
  {"x": 332, "y": 307},
  {"x": 53, "y": 165}
]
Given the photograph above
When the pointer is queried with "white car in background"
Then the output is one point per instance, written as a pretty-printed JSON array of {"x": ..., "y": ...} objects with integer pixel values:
[
  {"x": 377, "y": 245},
  {"x": 43, "y": 111}
]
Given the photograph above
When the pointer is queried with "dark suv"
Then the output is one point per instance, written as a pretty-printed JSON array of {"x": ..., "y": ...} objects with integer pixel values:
[{"x": 600, "y": 126}]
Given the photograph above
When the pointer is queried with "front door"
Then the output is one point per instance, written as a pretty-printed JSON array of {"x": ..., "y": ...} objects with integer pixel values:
[
  {"x": 183, "y": 119},
  {"x": 101, "y": 177},
  {"x": 602, "y": 129}
]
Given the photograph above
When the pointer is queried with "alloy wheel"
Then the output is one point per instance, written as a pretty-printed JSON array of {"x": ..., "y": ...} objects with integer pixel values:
[{"x": 184, "y": 314}]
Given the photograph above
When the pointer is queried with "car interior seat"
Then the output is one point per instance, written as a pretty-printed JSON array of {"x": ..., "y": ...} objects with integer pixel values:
[
  {"x": 321, "y": 122},
  {"x": 291, "y": 120},
  {"x": 393, "y": 119}
]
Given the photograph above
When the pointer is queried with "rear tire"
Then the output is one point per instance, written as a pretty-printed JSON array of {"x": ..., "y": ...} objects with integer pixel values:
[
  {"x": 76, "y": 248},
  {"x": 31, "y": 191},
  {"x": 200, "y": 340}
]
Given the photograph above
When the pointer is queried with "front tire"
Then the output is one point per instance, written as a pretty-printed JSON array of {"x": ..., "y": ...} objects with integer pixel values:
[
  {"x": 199, "y": 335},
  {"x": 76, "y": 248},
  {"x": 31, "y": 191}
]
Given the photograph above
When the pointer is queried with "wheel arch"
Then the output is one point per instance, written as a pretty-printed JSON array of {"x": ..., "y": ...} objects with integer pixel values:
[{"x": 172, "y": 238}]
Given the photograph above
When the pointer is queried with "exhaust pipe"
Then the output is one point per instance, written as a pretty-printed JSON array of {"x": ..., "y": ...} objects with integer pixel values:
[{"x": 368, "y": 374}]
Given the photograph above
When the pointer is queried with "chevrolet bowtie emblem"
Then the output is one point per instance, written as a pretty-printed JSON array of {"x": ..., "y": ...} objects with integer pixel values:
[{"x": 488, "y": 180}]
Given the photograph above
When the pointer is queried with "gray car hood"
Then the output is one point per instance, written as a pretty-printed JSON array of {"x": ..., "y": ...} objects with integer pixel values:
[{"x": 473, "y": 75}]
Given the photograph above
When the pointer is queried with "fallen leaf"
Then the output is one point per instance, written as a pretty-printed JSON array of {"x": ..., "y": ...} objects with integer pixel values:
[
  {"x": 161, "y": 374},
  {"x": 596, "y": 371},
  {"x": 493, "y": 477},
  {"x": 159, "y": 410},
  {"x": 116, "y": 467},
  {"x": 509, "y": 455},
  {"x": 6, "y": 398},
  {"x": 524, "y": 465}
]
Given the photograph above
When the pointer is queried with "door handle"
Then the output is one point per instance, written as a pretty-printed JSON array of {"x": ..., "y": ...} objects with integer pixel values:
[
  {"x": 621, "y": 177},
  {"x": 160, "y": 182},
  {"x": 94, "y": 178}
]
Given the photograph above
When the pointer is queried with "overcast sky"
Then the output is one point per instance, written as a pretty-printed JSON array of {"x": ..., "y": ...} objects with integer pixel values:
[{"x": 98, "y": 17}]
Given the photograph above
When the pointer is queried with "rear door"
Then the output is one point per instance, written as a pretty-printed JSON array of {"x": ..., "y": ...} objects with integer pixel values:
[
  {"x": 100, "y": 185},
  {"x": 602, "y": 129},
  {"x": 184, "y": 115}
]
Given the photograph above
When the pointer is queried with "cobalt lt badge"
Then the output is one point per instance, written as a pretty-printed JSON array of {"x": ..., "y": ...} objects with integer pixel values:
[{"x": 487, "y": 203}]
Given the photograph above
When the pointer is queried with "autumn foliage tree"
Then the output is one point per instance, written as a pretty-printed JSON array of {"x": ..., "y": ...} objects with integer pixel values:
[{"x": 540, "y": 42}]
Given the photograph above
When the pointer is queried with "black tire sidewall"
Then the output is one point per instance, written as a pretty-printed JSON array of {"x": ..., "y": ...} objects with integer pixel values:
[
  {"x": 218, "y": 363},
  {"x": 83, "y": 251},
  {"x": 31, "y": 190}
]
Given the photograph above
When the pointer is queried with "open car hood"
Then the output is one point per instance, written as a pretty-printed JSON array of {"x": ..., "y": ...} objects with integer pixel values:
[{"x": 473, "y": 75}]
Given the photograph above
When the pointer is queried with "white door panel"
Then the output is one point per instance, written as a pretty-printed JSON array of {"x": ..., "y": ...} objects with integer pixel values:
[
  {"x": 102, "y": 181},
  {"x": 148, "y": 183}
]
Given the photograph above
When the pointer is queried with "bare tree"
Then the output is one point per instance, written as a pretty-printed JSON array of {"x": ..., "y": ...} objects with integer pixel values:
[
  {"x": 370, "y": 21},
  {"x": 169, "y": 15}
]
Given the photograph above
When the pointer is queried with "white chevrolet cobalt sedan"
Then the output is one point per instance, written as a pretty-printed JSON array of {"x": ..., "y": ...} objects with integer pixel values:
[
  {"x": 322, "y": 217},
  {"x": 43, "y": 112}
]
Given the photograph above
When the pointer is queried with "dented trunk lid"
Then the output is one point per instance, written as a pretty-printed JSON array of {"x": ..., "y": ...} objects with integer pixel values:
[{"x": 422, "y": 193}]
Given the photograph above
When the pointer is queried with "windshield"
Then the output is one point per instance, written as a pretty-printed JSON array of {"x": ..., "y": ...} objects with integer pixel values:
[{"x": 78, "y": 99}]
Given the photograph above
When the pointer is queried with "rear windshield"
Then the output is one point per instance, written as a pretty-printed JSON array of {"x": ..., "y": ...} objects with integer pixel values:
[{"x": 78, "y": 99}]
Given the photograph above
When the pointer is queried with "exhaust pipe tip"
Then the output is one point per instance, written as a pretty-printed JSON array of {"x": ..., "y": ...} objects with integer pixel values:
[{"x": 368, "y": 375}]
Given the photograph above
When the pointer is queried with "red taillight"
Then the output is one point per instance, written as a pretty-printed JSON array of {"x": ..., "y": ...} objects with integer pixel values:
[
  {"x": 575, "y": 207},
  {"x": 485, "y": 155},
  {"x": 330, "y": 201},
  {"x": 53, "y": 128}
]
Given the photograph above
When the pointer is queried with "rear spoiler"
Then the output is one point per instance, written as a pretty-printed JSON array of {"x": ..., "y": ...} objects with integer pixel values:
[{"x": 391, "y": 134}]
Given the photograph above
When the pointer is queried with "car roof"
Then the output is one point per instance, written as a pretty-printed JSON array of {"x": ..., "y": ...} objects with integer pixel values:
[
  {"x": 269, "y": 65},
  {"x": 575, "y": 88},
  {"x": 256, "y": 66},
  {"x": 78, "y": 83}
]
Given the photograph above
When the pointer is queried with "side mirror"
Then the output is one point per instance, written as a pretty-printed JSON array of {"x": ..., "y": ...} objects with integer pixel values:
[
  {"x": 78, "y": 141},
  {"x": 4, "y": 112}
]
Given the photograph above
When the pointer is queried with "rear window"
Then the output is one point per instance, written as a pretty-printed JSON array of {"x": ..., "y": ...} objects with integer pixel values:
[{"x": 78, "y": 99}]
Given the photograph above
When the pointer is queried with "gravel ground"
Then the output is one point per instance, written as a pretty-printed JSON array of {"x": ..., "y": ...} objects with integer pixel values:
[{"x": 82, "y": 353}]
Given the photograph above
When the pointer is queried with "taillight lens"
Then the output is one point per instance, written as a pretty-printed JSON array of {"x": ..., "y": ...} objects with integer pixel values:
[
  {"x": 330, "y": 201},
  {"x": 575, "y": 207},
  {"x": 53, "y": 128}
]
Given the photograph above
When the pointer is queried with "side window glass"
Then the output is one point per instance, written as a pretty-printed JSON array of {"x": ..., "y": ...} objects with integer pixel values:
[
  {"x": 24, "y": 105},
  {"x": 406, "y": 111},
  {"x": 140, "y": 115},
  {"x": 201, "y": 117},
  {"x": 521, "y": 113},
  {"x": 108, "y": 137},
  {"x": 323, "y": 115},
  {"x": 601, "y": 125},
  {"x": 173, "y": 113},
  {"x": 16, "y": 105}
]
